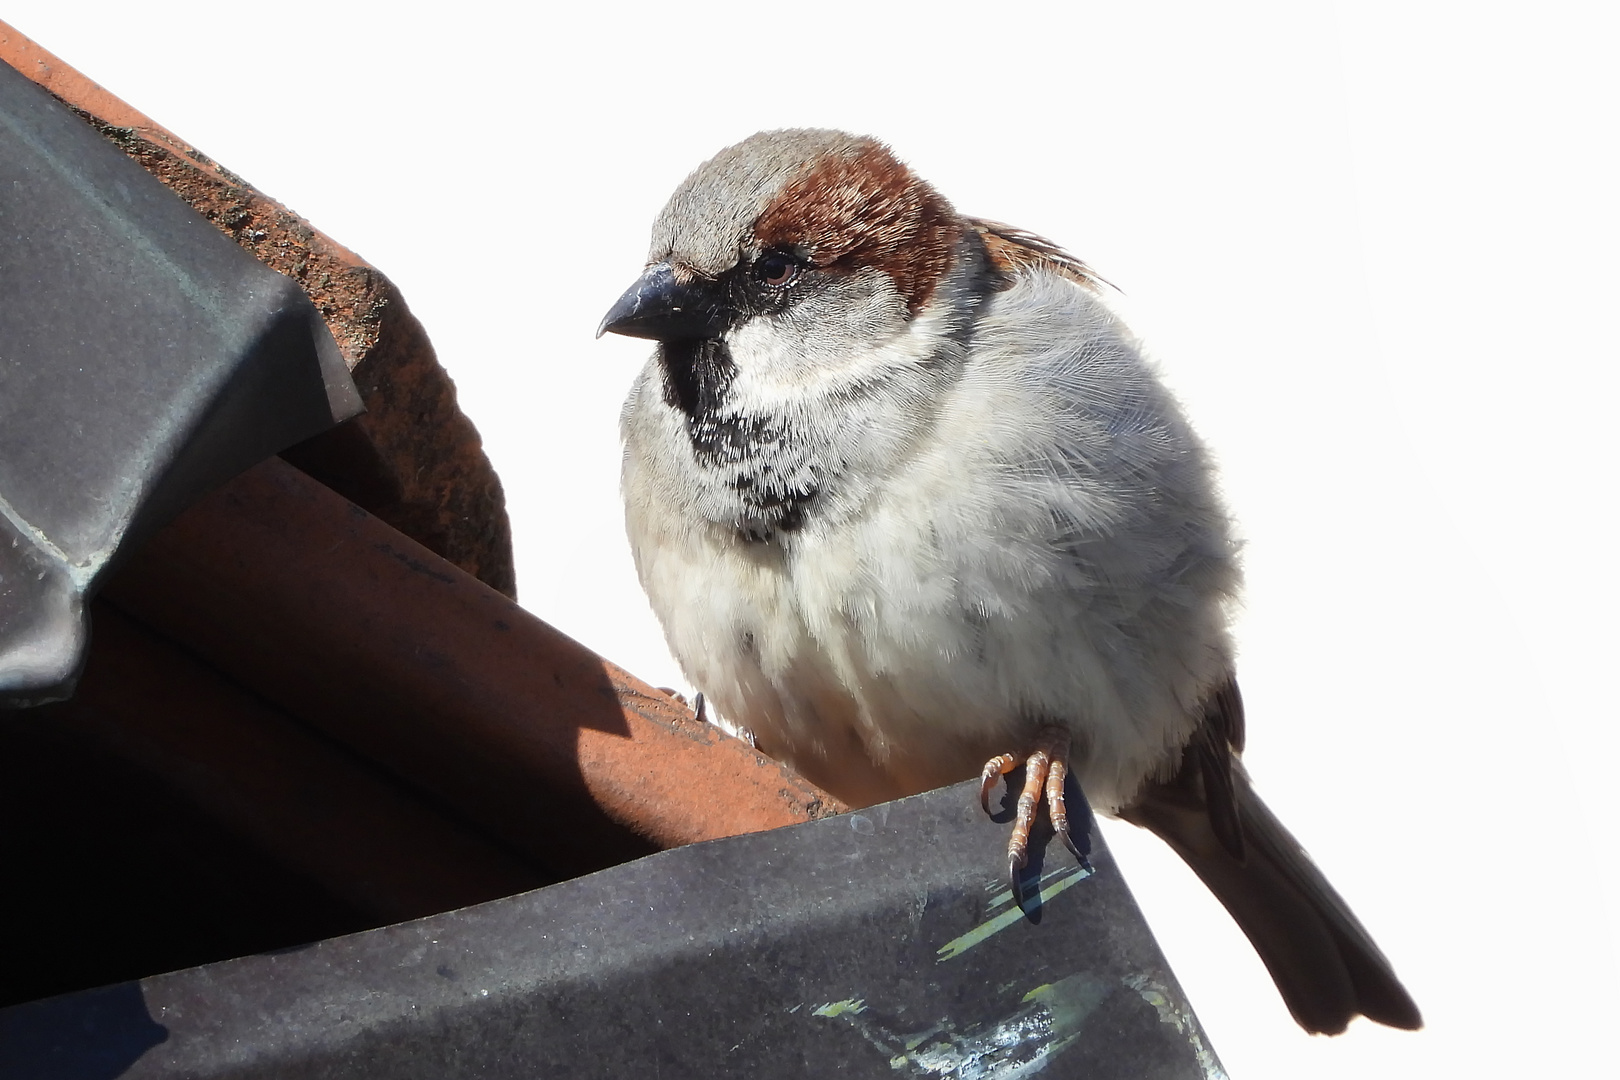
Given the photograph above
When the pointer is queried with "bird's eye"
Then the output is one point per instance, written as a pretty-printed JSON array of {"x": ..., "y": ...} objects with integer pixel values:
[{"x": 776, "y": 269}]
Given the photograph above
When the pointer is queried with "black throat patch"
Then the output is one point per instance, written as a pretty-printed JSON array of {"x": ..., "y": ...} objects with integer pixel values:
[
  {"x": 756, "y": 456},
  {"x": 697, "y": 375}
]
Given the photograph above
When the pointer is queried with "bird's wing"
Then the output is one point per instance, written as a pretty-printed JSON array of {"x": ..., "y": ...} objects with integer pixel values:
[{"x": 1013, "y": 251}]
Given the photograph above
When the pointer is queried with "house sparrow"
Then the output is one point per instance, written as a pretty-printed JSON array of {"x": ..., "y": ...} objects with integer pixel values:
[{"x": 907, "y": 498}]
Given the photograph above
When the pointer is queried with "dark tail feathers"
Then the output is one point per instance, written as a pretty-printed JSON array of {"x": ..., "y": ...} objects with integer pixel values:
[{"x": 1323, "y": 961}]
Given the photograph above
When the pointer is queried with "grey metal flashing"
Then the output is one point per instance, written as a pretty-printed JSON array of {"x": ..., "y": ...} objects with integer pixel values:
[
  {"x": 144, "y": 358},
  {"x": 875, "y": 944}
]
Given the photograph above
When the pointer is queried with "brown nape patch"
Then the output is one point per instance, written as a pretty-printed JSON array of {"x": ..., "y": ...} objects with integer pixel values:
[
  {"x": 1013, "y": 252},
  {"x": 866, "y": 210}
]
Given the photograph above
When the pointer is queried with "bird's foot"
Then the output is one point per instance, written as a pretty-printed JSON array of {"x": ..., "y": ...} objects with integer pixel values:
[
  {"x": 1045, "y": 767},
  {"x": 696, "y": 704}
]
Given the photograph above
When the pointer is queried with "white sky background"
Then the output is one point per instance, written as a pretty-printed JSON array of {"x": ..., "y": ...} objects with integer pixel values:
[{"x": 1373, "y": 246}]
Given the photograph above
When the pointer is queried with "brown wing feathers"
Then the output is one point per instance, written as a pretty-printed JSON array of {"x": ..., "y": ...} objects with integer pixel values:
[{"x": 1014, "y": 251}]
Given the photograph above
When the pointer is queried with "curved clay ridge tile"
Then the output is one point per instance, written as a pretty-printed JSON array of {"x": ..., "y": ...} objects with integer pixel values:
[{"x": 413, "y": 459}]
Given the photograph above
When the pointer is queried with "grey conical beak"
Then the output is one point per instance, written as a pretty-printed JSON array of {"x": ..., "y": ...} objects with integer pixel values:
[{"x": 664, "y": 308}]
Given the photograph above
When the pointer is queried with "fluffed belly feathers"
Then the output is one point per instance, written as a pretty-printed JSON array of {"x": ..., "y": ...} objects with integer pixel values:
[{"x": 978, "y": 590}]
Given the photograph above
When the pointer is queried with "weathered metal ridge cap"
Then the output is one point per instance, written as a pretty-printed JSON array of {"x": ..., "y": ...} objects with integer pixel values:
[
  {"x": 144, "y": 358},
  {"x": 878, "y": 944}
]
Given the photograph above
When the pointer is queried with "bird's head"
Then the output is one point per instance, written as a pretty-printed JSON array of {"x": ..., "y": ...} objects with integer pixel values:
[{"x": 791, "y": 255}]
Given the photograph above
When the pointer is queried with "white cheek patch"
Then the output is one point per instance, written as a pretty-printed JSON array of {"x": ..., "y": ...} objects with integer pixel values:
[{"x": 832, "y": 342}]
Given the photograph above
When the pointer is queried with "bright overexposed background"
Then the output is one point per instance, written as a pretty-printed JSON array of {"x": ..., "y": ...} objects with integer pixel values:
[{"x": 1373, "y": 245}]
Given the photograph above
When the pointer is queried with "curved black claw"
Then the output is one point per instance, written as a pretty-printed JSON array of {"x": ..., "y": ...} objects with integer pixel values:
[
  {"x": 1080, "y": 848},
  {"x": 994, "y": 769},
  {"x": 1074, "y": 849}
]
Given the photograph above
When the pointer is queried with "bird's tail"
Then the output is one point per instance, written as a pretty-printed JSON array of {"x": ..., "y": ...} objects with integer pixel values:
[{"x": 1323, "y": 961}]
